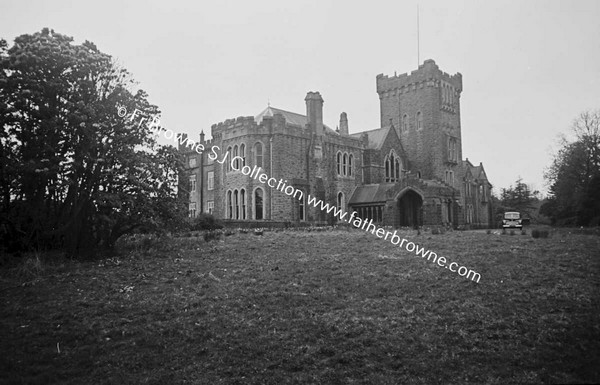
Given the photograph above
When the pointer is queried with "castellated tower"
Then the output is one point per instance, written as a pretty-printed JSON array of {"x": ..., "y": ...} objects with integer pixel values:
[{"x": 424, "y": 108}]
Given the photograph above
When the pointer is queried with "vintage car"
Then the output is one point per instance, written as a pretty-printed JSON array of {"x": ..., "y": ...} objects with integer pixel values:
[{"x": 512, "y": 219}]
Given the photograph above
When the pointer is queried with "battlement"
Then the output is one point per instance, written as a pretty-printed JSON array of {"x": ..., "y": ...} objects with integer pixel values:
[{"x": 428, "y": 72}]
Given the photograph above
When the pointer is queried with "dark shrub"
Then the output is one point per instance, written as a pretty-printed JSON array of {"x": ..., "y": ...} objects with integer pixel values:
[
  {"x": 212, "y": 235},
  {"x": 540, "y": 233},
  {"x": 205, "y": 222}
]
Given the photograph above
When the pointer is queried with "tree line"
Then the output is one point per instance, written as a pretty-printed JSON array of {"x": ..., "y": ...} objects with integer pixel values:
[{"x": 573, "y": 178}]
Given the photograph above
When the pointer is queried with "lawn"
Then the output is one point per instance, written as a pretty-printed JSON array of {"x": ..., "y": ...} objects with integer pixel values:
[{"x": 331, "y": 307}]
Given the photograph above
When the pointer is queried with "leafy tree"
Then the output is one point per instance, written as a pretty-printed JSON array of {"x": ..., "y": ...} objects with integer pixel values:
[
  {"x": 574, "y": 175},
  {"x": 73, "y": 173},
  {"x": 518, "y": 198}
]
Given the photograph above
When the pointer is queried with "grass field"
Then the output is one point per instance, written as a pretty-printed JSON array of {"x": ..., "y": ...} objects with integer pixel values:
[{"x": 333, "y": 307}]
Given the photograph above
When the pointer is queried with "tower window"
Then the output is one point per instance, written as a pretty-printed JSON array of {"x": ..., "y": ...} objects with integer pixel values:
[
  {"x": 405, "y": 123},
  {"x": 258, "y": 154},
  {"x": 236, "y": 162},
  {"x": 419, "y": 120},
  {"x": 228, "y": 167},
  {"x": 243, "y": 154},
  {"x": 344, "y": 164}
]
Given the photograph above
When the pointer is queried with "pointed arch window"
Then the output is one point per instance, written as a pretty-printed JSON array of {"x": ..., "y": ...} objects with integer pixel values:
[
  {"x": 236, "y": 162},
  {"x": 258, "y": 203},
  {"x": 243, "y": 203},
  {"x": 341, "y": 202},
  {"x": 419, "y": 120},
  {"x": 339, "y": 163},
  {"x": 387, "y": 168},
  {"x": 302, "y": 207},
  {"x": 258, "y": 154},
  {"x": 229, "y": 205},
  {"x": 350, "y": 164},
  {"x": 242, "y": 155},
  {"x": 405, "y": 123},
  {"x": 236, "y": 201},
  {"x": 228, "y": 167}
]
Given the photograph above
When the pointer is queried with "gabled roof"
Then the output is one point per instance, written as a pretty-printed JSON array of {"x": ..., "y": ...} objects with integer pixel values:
[
  {"x": 376, "y": 137},
  {"x": 477, "y": 172},
  {"x": 290, "y": 117}
]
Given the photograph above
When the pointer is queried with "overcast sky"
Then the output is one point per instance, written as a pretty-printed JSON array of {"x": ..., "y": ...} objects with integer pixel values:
[{"x": 529, "y": 67}]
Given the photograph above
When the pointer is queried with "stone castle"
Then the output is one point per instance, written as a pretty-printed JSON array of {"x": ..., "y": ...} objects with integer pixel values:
[{"x": 408, "y": 172}]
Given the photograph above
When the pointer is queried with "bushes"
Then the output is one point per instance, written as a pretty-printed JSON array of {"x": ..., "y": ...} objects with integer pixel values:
[
  {"x": 212, "y": 235},
  {"x": 205, "y": 222},
  {"x": 540, "y": 233}
]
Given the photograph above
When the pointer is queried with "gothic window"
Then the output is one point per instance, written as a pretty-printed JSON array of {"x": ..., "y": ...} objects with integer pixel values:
[
  {"x": 228, "y": 167},
  {"x": 393, "y": 167},
  {"x": 387, "y": 168},
  {"x": 340, "y": 201},
  {"x": 302, "y": 208},
  {"x": 344, "y": 164},
  {"x": 229, "y": 205},
  {"x": 419, "y": 120},
  {"x": 243, "y": 203},
  {"x": 236, "y": 162},
  {"x": 350, "y": 165},
  {"x": 339, "y": 163},
  {"x": 258, "y": 154},
  {"x": 258, "y": 203},
  {"x": 405, "y": 123},
  {"x": 243, "y": 155},
  {"x": 237, "y": 204}
]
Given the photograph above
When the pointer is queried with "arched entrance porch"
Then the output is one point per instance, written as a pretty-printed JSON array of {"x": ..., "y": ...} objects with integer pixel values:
[{"x": 410, "y": 208}]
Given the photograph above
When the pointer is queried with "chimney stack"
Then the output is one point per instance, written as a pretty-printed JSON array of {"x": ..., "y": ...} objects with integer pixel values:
[
  {"x": 314, "y": 111},
  {"x": 343, "y": 124}
]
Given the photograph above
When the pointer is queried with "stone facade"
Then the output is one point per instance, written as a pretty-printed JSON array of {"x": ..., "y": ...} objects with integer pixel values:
[{"x": 409, "y": 172}]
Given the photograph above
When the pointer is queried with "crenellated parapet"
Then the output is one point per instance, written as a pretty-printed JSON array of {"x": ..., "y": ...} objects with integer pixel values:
[
  {"x": 428, "y": 75},
  {"x": 246, "y": 125}
]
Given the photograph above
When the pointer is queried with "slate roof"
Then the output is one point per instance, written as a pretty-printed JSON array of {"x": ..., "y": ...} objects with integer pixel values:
[
  {"x": 290, "y": 117},
  {"x": 376, "y": 137},
  {"x": 369, "y": 193}
]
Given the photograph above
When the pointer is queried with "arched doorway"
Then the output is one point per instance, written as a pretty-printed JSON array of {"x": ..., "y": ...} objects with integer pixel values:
[{"x": 410, "y": 205}]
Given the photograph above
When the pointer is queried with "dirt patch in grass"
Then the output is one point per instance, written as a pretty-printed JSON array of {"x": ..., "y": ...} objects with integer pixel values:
[{"x": 309, "y": 307}]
